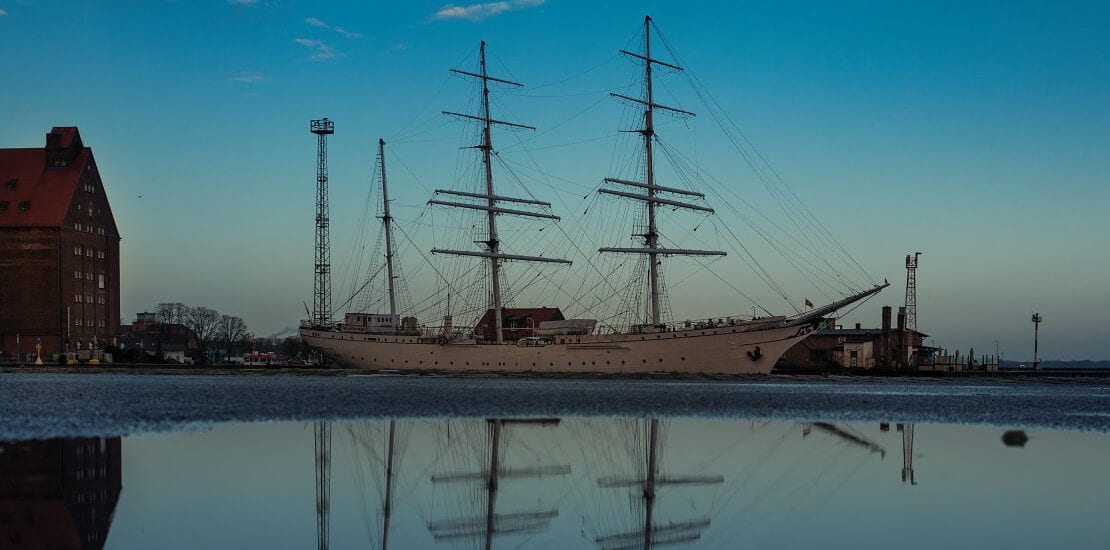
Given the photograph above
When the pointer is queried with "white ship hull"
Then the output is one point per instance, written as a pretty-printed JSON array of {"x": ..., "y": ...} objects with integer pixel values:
[{"x": 742, "y": 348}]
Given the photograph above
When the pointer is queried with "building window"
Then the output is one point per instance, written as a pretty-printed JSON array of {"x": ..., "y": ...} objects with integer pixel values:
[
  {"x": 76, "y": 227},
  {"x": 100, "y": 254},
  {"x": 77, "y": 298},
  {"x": 3, "y": 206},
  {"x": 100, "y": 300},
  {"x": 100, "y": 280},
  {"x": 89, "y": 298},
  {"x": 10, "y": 184},
  {"x": 76, "y": 274},
  {"x": 88, "y": 275},
  {"x": 77, "y": 323},
  {"x": 77, "y": 250},
  {"x": 101, "y": 230},
  {"x": 89, "y": 252},
  {"x": 100, "y": 322},
  {"x": 24, "y": 206},
  {"x": 853, "y": 360}
]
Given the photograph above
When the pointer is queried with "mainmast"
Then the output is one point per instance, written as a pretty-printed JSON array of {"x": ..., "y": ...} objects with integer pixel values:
[
  {"x": 651, "y": 199},
  {"x": 387, "y": 221},
  {"x": 493, "y": 244}
]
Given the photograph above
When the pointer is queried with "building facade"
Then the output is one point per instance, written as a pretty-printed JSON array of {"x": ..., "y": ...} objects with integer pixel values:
[
  {"x": 59, "y": 250},
  {"x": 859, "y": 348}
]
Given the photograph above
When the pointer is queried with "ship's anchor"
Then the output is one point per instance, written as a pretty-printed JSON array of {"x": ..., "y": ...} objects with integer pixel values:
[{"x": 755, "y": 355}]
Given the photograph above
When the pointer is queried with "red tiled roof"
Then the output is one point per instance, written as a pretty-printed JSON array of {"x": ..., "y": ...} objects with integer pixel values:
[{"x": 48, "y": 191}]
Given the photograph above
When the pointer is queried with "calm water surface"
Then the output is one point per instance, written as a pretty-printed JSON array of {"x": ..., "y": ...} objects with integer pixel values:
[{"x": 549, "y": 483}]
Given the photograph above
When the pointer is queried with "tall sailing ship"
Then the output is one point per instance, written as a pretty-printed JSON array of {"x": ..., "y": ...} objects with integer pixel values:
[{"x": 727, "y": 345}]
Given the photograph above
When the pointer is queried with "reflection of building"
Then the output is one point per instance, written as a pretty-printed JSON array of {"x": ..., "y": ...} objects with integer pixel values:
[
  {"x": 59, "y": 249},
  {"x": 58, "y": 493},
  {"x": 860, "y": 348},
  {"x": 518, "y": 322},
  {"x": 174, "y": 340}
]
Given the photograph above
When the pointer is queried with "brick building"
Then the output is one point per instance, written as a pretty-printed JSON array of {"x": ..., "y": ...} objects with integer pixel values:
[
  {"x": 516, "y": 322},
  {"x": 59, "y": 250},
  {"x": 859, "y": 348}
]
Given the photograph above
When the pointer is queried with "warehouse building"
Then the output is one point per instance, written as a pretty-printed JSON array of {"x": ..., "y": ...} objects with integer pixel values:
[{"x": 59, "y": 250}]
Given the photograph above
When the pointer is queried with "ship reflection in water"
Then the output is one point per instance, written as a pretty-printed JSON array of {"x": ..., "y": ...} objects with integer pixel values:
[{"x": 552, "y": 483}]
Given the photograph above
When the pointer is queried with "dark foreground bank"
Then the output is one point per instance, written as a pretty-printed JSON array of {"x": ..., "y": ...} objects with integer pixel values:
[{"x": 37, "y": 405}]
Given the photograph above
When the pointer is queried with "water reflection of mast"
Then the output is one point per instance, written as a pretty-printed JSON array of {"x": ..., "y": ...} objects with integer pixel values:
[
  {"x": 907, "y": 453},
  {"x": 322, "y": 433},
  {"x": 846, "y": 434},
  {"x": 494, "y": 524},
  {"x": 651, "y": 534}
]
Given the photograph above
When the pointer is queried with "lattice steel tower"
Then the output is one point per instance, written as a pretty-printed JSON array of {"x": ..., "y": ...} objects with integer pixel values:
[
  {"x": 321, "y": 288},
  {"x": 911, "y": 291}
]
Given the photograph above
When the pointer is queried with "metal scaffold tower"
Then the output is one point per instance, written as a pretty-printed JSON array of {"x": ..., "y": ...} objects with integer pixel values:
[
  {"x": 1036, "y": 337},
  {"x": 321, "y": 288},
  {"x": 911, "y": 291}
]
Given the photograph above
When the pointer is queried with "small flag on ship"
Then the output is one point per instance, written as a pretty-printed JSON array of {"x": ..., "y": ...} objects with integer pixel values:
[{"x": 809, "y": 304}]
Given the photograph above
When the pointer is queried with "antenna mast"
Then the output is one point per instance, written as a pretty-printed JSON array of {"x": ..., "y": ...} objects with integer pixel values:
[
  {"x": 321, "y": 291},
  {"x": 651, "y": 238},
  {"x": 493, "y": 244},
  {"x": 1036, "y": 337},
  {"x": 387, "y": 221},
  {"x": 911, "y": 291}
]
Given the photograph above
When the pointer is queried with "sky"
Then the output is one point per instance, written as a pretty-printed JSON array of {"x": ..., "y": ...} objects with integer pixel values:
[{"x": 973, "y": 132}]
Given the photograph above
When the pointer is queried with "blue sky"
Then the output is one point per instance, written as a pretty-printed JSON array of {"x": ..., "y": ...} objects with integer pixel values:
[{"x": 974, "y": 132}]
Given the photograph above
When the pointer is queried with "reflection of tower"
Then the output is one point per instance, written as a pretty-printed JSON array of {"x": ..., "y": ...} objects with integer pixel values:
[
  {"x": 321, "y": 289},
  {"x": 652, "y": 534},
  {"x": 907, "y": 453},
  {"x": 322, "y": 433},
  {"x": 61, "y": 493},
  {"x": 1036, "y": 336},
  {"x": 494, "y": 524}
]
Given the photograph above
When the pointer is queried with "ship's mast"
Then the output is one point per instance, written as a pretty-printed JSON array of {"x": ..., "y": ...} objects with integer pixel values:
[
  {"x": 649, "y": 131},
  {"x": 651, "y": 238},
  {"x": 493, "y": 244},
  {"x": 387, "y": 221}
]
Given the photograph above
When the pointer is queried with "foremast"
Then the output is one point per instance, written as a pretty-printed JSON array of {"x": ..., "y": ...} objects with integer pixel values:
[
  {"x": 493, "y": 244},
  {"x": 387, "y": 222},
  {"x": 651, "y": 198}
]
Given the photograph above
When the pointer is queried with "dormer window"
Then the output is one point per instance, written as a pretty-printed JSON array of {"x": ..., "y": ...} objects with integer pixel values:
[
  {"x": 24, "y": 206},
  {"x": 10, "y": 184},
  {"x": 59, "y": 162}
]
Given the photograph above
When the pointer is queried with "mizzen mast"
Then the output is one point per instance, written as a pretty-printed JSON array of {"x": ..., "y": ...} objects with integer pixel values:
[
  {"x": 650, "y": 198},
  {"x": 493, "y": 244}
]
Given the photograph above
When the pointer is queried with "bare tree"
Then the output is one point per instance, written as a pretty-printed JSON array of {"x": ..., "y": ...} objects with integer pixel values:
[
  {"x": 170, "y": 313},
  {"x": 204, "y": 322},
  {"x": 230, "y": 329}
]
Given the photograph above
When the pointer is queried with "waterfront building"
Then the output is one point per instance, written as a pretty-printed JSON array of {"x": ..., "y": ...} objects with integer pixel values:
[
  {"x": 59, "y": 250},
  {"x": 174, "y": 341},
  {"x": 517, "y": 322},
  {"x": 860, "y": 348}
]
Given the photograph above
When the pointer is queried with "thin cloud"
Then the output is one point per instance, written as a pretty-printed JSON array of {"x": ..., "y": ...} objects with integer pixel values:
[
  {"x": 246, "y": 77},
  {"x": 322, "y": 25},
  {"x": 3, "y": 13},
  {"x": 320, "y": 49},
  {"x": 478, "y": 12}
]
